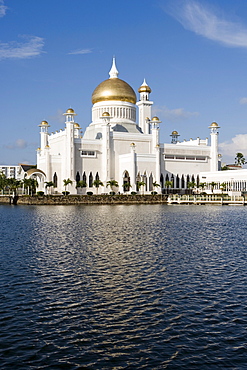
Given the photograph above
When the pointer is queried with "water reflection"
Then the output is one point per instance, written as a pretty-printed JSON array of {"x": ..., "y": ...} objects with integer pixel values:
[{"x": 139, "y": 286}]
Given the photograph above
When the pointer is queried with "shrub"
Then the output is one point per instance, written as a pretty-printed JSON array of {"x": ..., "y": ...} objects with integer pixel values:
[
  {"x": 112, "y": 193},
  {"x": 154, "y": 192},
  {"x": 40, "y": 193},
  {"x": 65, "y": 192},
  {"x": 133, "y": 193},
  {"x": 89, "y": 193}
]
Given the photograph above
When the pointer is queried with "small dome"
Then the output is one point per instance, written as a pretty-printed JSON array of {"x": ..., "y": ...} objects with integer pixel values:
[
  {"x": 114, "y": 89},
  {"x": 174, "y": 132},
  {"x": 76, "y": 125},
  {"x": 106, "y": 114},
  {"x": 70, "y": 110},
  {"x": 214, "y": 124},
  {"x": 155, "y": 118},
  {"x": 147, "y": 118},
  {"x": 144, "y": 89},
  {"x": 44, "y": 123}
]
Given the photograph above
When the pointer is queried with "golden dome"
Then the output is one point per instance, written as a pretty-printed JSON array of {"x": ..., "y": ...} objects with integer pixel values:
[
  {"x": 44, "y": 123},
  {"x": 174, "y": 132},
  {"x": 70, "y": 110},
  {"x": 114, "y": 89},
  {"x": 155, "y": 118},
  {"x": 76, "y": 125},
  {"x": 106, "y": 114},
  {"x": 214, "y": 124},
  {"x": 144, "y": 89}
]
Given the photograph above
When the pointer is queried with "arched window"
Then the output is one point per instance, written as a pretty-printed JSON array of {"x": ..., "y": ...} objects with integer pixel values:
[
  {"x": 126, "y": 181},
  {"x": 177, "y": 182},
  {"x": 151, "y": 180},
  {"x": 97, "y": 177},
  {"x": 55, "y": 180},
  {"x": 172, "y": 180},
  {"x": 182, "y": 182},
  {"x": 167, "y": 177},
  {"x": 84, "y": 177},
  {"x": 78, "y": 177},
  {"x": 197, "y": 181},
  {"x": 90, "y": 182},
  {"x": 162, "y": 180},
  {"x": 145, "y": 180},
  {"x": 188, "y": 179}
]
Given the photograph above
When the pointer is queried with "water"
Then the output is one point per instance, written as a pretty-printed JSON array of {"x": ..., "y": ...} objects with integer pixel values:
[{"x": 123, "y": 287}]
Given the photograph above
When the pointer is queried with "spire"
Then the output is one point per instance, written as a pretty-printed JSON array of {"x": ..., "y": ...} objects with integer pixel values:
[
  {"x": 144, "y": 83},
  {"x": 113, "y": 72}
]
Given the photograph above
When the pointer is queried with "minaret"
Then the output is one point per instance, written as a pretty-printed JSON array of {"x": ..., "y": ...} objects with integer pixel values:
[
  {"x": 43, "y": 134},
  {"x": 155, "y": 131},
  {"x": 144, "y": 105},
  {"x": 133, "y": 166},
  {"x": 106, "y": 155},
  {"x": 69, "y": 161},
  {"x": 174, "y": 136},
  {"x": 214, "y": 146}
]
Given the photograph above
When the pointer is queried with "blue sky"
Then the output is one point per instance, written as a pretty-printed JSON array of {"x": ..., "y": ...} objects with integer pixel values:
[{"x": 53, "y": 53}]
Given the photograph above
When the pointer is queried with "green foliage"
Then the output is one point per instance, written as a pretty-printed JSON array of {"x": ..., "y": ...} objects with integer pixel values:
[
  {"x": 154, "y": 192},
  {"x": 239, "y": 159},
  {"x": 40, "y": 193},
  {"x": 81, "y": 184},
  {"x": 112, "y": 183},
  {"x": 65, "y": 192},
  {"x": 89, "y": 193}
]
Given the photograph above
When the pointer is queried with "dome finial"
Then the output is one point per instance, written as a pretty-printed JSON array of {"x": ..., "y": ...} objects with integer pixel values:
[{"x": 113, "y": 72}]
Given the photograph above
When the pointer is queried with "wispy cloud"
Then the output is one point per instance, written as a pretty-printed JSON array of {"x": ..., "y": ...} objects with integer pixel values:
[
  {"x": 32, "y": 47},
  {"x": 237, "y": 144},
  {"x": 80, "y": 51},
  {"x": 3, "y": 9},
  {"x": 243, "y": 101},
  {"x": 205, "y": 21},
  {"x": 18, "y": 144},
  {"x": 173, "y": 115}
]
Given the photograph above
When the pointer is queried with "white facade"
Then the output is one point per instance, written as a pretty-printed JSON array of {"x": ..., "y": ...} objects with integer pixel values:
[{"x": 117, "y": 147}]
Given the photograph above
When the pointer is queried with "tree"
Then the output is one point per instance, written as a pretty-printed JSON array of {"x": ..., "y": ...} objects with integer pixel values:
[
  {"x": 13, "y": 185},
  {"x": 202, "y": 185},
  {"x": 97, "y": 183},
  {"x": 223, "y": 186},
  {"x": 112, "y": 183},
  {"x": 212, "y": 184},
  {"x": 66, "y": 182},
  {"x": 126, "y": 186},
  {"x": 139, "y": 184},
  {"x": 168, "y": 184},
  {"x": 81, "y": 184},
  {"x": 191, "y": 185},
  {"x": 49, "y": 184},
  {"x": 239, "y": 159},
  {"x": 156, "y": 184},
  {"x": 3, "y": 182}
]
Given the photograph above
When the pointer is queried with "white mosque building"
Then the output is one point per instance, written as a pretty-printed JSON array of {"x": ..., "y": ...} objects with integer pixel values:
[{"x": 115, "y": 146}]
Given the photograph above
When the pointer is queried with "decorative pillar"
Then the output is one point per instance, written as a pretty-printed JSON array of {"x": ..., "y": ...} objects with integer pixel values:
[
  {"x": 106, "y": 157},
  {"x": 133, "y": 166}
]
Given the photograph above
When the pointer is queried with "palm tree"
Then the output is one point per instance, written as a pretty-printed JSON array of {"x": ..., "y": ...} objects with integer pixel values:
[
  {"x": 13, "y": 185},
  {"x": 33, "y": 184},
  {"x": 97, "y": 183},
  {"x": 191, "y": 185},
  {"x": 223, "y": 186},
  {"x": 239, "y": 159},
  {"x": 156, "y": 184},
  {"x": 168, "y": 184},
  {"x": 112, "y": 183},
  {"x": 81, "y": 184},
  {"x": 202, "y": 185},
  {"x": 139, "y": 184},
  {"x": 212, "y": 184},
  {"x": 49, "y": 184},
  {"x": 126, "y": 186},
  {"x": 66, "y": 183}
]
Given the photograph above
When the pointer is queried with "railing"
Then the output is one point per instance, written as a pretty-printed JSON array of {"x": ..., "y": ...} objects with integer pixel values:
[{"x": 206, "y": 199}]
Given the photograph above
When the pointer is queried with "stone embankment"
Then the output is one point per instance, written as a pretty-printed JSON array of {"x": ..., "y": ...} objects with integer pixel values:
[{"x": 86, "y": 199}]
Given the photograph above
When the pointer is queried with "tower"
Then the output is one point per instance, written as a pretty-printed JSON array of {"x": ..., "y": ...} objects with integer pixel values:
[
  {"x": 174, "y": 135},
  {"x": 155, "y": 131},
  {"x": 69, "y": 159},
  {"x": 214, "y": 146},
  {"x": 144, "y": 105}
]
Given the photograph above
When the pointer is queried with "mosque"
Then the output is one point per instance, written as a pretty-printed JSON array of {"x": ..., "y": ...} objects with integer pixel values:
[{"x": 117, "y": 146}]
